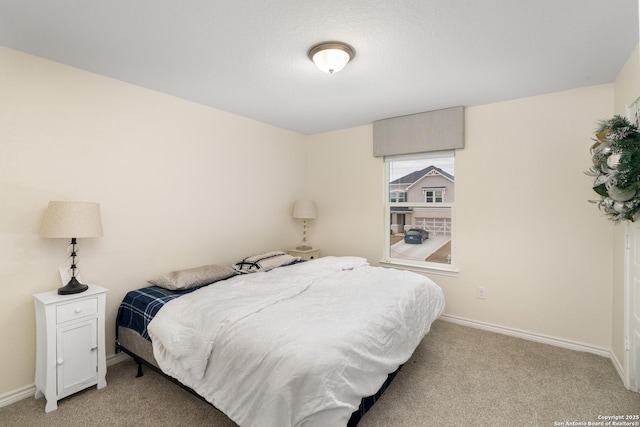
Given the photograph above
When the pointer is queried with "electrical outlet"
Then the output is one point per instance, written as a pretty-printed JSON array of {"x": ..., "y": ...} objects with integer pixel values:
[{"x": 482, "y": 292}]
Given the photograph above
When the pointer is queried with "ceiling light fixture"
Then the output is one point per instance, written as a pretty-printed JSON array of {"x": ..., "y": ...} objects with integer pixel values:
[{"x": 331, "y": 57}]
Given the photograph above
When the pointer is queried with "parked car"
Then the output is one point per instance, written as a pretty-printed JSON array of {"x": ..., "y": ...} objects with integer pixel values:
[{"x": 416, "y": 235}]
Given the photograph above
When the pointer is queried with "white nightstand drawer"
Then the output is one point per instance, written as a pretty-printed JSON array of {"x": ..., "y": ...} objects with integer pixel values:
[
  {"x": 76, "y": 310},
  {"x": 305, "y": 254}
]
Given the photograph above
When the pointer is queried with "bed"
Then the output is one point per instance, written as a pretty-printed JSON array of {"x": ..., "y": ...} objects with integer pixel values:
[{"x": 308, "y": 344}]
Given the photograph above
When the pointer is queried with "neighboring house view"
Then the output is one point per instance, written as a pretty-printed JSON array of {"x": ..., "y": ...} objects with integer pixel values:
[{"x": 429, "y": 185}]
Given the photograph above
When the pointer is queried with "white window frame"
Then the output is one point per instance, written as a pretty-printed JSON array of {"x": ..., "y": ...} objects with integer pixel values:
[
  {"x": 398, "y": 192},
  {"x": 419, "y": 266},
  {"x": 433, "y": 190}
]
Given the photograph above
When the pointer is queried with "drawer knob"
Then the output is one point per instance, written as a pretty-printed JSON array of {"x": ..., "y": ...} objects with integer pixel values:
[
  {"x": 60, "y": 361},
  {"x": 78, "y": 310}
]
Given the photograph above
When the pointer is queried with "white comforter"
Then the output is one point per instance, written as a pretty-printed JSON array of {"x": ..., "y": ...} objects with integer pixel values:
[{"x": 299, "y": 345}]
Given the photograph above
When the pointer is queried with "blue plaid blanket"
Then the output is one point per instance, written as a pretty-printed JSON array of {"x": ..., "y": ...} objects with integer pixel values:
[{"x": 139, "y": 306}]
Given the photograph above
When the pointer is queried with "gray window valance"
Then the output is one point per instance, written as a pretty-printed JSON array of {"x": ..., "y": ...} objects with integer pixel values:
[{"x": 419, "y": 133}]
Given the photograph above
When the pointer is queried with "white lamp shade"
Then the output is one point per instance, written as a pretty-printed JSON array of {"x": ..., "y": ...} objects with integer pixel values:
[
  {"x": 304, "y": 209},
  {"x": 71, "y": 219},
  {"x": 331, "y": 57},
  {"x": 331, "y": 60}
]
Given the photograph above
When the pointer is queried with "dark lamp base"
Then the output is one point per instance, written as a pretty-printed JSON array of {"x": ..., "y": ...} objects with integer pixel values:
[{"x": 73, "y": 287}]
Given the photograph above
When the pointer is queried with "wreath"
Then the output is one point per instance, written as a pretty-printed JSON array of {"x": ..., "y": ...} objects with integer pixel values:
[{"x": 616, "y": 168}]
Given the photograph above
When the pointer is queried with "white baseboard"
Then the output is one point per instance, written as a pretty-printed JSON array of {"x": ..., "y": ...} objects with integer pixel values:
[
  {"x": 30, "y": 390},
  {"x": 16, "y": 395},
  {"x": 114, "y": 359},
  {"x": 544, "y": 339},
  {"x": 620, "y": 369}
]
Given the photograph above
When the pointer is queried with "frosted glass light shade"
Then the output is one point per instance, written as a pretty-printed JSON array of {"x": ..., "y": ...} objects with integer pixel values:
[
  {"x": 304, "y": 209},
  {"x": 71, "y": 219},
  {"x": 331, "y": 57}
]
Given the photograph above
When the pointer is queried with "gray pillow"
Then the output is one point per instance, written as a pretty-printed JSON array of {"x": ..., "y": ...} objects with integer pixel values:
[{"x": 193, "y": 277}]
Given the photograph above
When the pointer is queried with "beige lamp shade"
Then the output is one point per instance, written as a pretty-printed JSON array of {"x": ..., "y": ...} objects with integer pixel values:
[
  {"x": 72, "y": 219},
  {"x": 304, "y": 209}
]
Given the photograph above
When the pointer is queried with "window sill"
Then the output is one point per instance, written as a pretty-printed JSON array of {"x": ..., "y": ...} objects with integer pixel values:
[{"x": 442, "y": 271}]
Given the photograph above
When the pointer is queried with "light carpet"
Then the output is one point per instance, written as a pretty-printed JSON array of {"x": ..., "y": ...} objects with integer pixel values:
[{"x": 458, "y": 376}]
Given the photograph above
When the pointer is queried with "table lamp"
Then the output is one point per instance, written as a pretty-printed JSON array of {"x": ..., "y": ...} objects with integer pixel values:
[
  {"x": 72, "y": 220},
  {"x": 304, "y": 210}
]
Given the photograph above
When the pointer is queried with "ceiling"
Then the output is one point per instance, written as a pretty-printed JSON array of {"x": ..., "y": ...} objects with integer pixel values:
[{"x": 249, "y": 57}]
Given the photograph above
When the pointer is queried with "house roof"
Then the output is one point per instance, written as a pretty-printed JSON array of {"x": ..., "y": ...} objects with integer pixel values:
[
  {"x": 249, "y": 57},
  {"x": 413, "y": 177}
]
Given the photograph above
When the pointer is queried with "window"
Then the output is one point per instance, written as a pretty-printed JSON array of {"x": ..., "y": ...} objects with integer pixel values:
[
  {"x": 396, "y": 196},
  {"x": 421, "y": 189},
  {"x": 434, "y": 195}
]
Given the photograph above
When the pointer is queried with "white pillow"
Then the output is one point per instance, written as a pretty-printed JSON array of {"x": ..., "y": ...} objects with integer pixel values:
[{"x": 264, "y": 262}]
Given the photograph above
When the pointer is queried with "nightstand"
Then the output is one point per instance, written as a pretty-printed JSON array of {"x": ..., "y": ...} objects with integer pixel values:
[
  {"x": 70, "y": 351},
  {"x": 305, "y": 254}
]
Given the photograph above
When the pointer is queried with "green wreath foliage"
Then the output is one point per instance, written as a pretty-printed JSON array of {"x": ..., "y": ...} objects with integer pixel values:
[{"x": 616, "y": 168}]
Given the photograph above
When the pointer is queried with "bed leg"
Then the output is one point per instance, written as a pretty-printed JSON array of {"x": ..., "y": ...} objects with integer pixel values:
[{"x": 139, "y": 374}]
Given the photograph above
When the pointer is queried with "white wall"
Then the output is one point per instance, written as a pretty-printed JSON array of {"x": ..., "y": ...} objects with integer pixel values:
[
  {"x": 345, "y": 180},
  {"x": 180, "y": 185},
  {"x": 526, "y": 231}
]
